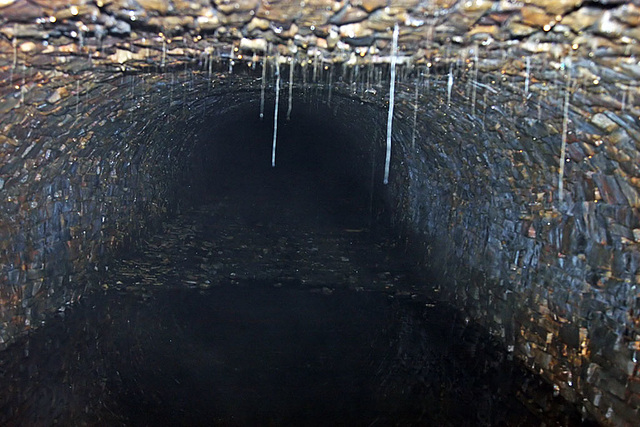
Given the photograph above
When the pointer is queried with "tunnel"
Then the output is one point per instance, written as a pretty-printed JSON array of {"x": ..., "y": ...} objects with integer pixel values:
[{"x": 355, "y": 212}]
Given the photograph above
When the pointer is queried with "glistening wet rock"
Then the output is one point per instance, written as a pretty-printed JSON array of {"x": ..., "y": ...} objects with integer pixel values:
[
  {"x": 179, "y": 341},
  {"x": 103, "y": 104}
]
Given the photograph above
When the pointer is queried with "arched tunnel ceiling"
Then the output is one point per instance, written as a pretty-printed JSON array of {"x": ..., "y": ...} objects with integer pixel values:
[
  {"x": 516, "y": 157},
  {"x": 497, "y": 35}
]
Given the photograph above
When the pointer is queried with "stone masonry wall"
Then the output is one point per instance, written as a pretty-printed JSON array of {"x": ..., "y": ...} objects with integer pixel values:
[
  {"x": 81, "y": 175},
  {"x": 557, "y": 281},
  {"x": 515, "y": 165}
]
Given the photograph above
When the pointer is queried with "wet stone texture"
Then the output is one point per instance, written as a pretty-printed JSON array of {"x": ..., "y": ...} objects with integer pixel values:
[
  {"x": 514, "y": 169},
  {"x": 326, "y": 328}
]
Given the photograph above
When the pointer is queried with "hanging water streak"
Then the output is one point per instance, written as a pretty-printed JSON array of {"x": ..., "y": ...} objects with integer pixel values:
[
  {"x": 392, "y": 88},
  {"x": 565, "y": 124},
  {"x": 315, "y": 67},
  {"x": 77, "y": 96},
  {"x": 24, "y": 83},
  {"x": 415, "y": 115},
  {"x": 474, "y": 89},
  {"x": 526, "y": 80},
  {"x": 263, "y": 83},
  {"x": 449, "y": 85},
  {"x": 291, "y": 69},
  {"x": 275, "y": 114},
  {"x": 372, "y": 185},
  {"x": 428, "y": 79},
  {"x": 14, "y": 43},
  {"x": 171, "y": 90},
  {"x": 330, "y": 85},
  {"x": 164, "y": 52}
]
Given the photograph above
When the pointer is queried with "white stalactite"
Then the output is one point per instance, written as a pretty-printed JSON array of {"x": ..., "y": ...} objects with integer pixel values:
[
  {"x": 77, "y": 95},
  {"x": 449, "y": 85},
  {"x": 14, "y": 43},
  {"x": 565, "y": 126},
  {"x": 415, "y": 116},
  {"x": 428, "y": 79},
  {"x": 291, "y": 69},
  {"x": 263, "y": 84},
  {"x": 330, "y": 85},
  {"x": 275, "y": 114},
  {"x": 527, "y": 78},
  {"x": 171, "y": 89},
  {"x": 315, "y": 67},
  {"x": 474, "y": 89},
  {"x": 392, "y": 89},
  {"x": 164, "y": 52}
]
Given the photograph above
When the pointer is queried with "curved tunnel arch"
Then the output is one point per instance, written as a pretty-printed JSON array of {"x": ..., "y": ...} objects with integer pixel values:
[{"x": 92, "y": 159}]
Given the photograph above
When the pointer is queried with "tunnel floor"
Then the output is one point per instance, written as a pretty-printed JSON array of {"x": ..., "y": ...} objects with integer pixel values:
[{"x": 268, "y": 304}]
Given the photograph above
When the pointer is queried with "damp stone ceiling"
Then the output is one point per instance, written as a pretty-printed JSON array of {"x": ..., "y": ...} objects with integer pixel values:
[{"x": 514, "y": 150}]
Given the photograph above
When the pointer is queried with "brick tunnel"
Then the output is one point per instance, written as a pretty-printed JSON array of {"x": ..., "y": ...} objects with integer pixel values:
[{"x": 365, "y": 212}]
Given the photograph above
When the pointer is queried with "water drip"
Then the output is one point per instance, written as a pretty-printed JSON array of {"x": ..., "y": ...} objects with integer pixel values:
[
  {"x": 263, "y": 84},
  {"x": 415, "y": 115},
  {"x": 14, "y": 43},
  {"x": 275, "y": 114},
  {"x": 539, "y": 107},
  {"x": 428, "y": 78},
  {"x": 291, "y": 70},
  {"x": 394, "y": 48},
  {"x": 527, "y": 78},
  {"x": 164, "y": 52},
  {"x": 474, "y": 89},
  {"x": 171, "y": 89},
  {"x": 77, "y": 96},
  {"x": 315, "y": 67},
  {"x": 23, "y": 87},
  {"x": 184, "y": 87},
  {"x": 449, "y": 85},
  {"x": 330, "y": 85},
  {"x": 565, "y": 124}
]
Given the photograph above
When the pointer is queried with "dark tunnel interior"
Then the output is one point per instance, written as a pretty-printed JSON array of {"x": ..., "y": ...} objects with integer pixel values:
[
  {"x": 277, "y": 296},
  {"x": 322, "y": 173},
  {"x": 450, "y": 235}
]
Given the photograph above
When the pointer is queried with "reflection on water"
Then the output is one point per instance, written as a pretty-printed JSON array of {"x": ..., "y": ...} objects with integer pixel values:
[{"x": 250, "y": 354}]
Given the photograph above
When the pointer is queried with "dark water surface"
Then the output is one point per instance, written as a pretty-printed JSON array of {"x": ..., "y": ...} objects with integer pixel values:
[
  {"x": 271, "y": 303},
  {"x": 250, "y": 354}
]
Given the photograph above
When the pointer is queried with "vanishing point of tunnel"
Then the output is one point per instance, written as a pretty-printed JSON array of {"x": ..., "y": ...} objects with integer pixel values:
[{"x": 354, "y": 212}]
